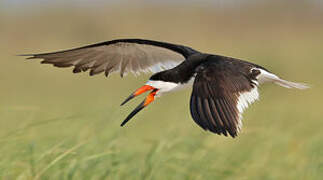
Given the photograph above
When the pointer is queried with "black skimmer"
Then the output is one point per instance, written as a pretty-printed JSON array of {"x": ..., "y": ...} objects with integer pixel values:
[{"x": 223, "y": 87}]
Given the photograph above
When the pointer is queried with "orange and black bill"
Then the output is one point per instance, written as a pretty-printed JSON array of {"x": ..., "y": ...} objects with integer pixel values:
[
  {"x": 150, "y": 98},
  {"x": 137, "y": 92}
]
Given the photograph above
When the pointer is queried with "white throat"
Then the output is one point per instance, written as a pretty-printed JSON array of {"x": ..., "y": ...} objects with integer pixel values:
[{"x": 164, "y": 86}]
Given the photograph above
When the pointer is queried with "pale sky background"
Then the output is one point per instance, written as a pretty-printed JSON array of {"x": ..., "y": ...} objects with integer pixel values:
[
  {"x": 17, "y": 3},
  {"x": 26, "y": 3},
  {"x": 28, "y": 6}
]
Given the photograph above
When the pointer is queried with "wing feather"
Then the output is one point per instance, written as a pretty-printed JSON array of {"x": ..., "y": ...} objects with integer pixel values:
[
  {"x": 220, "y": 93},
  {"x": 220, "y": 121},
  {"x": 123, "y": 55},
  {"x": 195, "y": 113},
  {"x": 202, "y": 115},
  {"x": 225, "y": 121},
  {"x": 207, "y": 112}
]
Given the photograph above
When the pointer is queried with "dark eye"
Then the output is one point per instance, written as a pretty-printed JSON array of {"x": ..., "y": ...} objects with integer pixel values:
[{"x": 254, "y": 72}]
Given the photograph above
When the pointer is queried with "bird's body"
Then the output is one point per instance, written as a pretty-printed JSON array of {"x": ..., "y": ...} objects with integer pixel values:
[{"x": 222, "y": 86}]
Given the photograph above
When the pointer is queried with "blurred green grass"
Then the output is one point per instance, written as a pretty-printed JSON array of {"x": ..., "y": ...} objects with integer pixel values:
[{"x": 56, "y": 125}]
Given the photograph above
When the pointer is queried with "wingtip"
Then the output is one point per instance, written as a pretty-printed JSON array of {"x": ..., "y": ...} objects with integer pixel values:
[
  {"x": 24, "y": 55},
  {"x": 32, "y": 56}
]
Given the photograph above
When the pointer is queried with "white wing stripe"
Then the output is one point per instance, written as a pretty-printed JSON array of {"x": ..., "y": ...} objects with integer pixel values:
[{"x": 244, "y": 100}]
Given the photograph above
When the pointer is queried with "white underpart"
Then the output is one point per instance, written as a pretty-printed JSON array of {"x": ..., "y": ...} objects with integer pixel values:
[
  {"x": 168, "y": 86},
  {"x": 248, "y": 97},
  {"x": 244, "y": 100},
  {"x": 266, "y": 76}
]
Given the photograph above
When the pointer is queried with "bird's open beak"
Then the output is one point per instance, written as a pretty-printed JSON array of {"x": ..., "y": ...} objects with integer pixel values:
[
  {"x": 150, "y": 98},
  {"x": 137, "y": 92}
]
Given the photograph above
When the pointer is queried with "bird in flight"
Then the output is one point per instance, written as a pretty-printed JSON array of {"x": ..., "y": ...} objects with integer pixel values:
[{"x": 223, "y": 87}]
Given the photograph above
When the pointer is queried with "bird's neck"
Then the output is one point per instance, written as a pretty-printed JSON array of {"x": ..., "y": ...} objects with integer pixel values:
[{"x": 181, "y": 74}]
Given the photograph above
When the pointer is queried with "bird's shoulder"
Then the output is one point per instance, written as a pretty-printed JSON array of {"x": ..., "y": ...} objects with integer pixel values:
[{"x": 228, "y": 66}]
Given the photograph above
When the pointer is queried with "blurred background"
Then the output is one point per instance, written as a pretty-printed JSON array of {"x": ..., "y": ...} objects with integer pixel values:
[{"x": 58, "y": 125}]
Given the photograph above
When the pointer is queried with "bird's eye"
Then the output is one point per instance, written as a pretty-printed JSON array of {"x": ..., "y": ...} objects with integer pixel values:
[{"x": 254, "y": 72}]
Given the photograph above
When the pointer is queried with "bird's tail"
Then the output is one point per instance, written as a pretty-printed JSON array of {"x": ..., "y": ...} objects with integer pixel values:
[
  {"x": 266, "y": 76},
  {"x": 288, "y": 84}
]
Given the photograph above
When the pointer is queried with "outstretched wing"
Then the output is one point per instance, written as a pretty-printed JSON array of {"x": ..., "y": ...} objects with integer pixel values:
[
  {"x": 221, "y": 91},
  {"x": 123, "y": 55}
]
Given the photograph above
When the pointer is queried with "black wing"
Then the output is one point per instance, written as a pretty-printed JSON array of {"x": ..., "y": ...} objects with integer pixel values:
[
  {"x": 123, "y": 55},
  {"x": 222, "y": 90}
]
